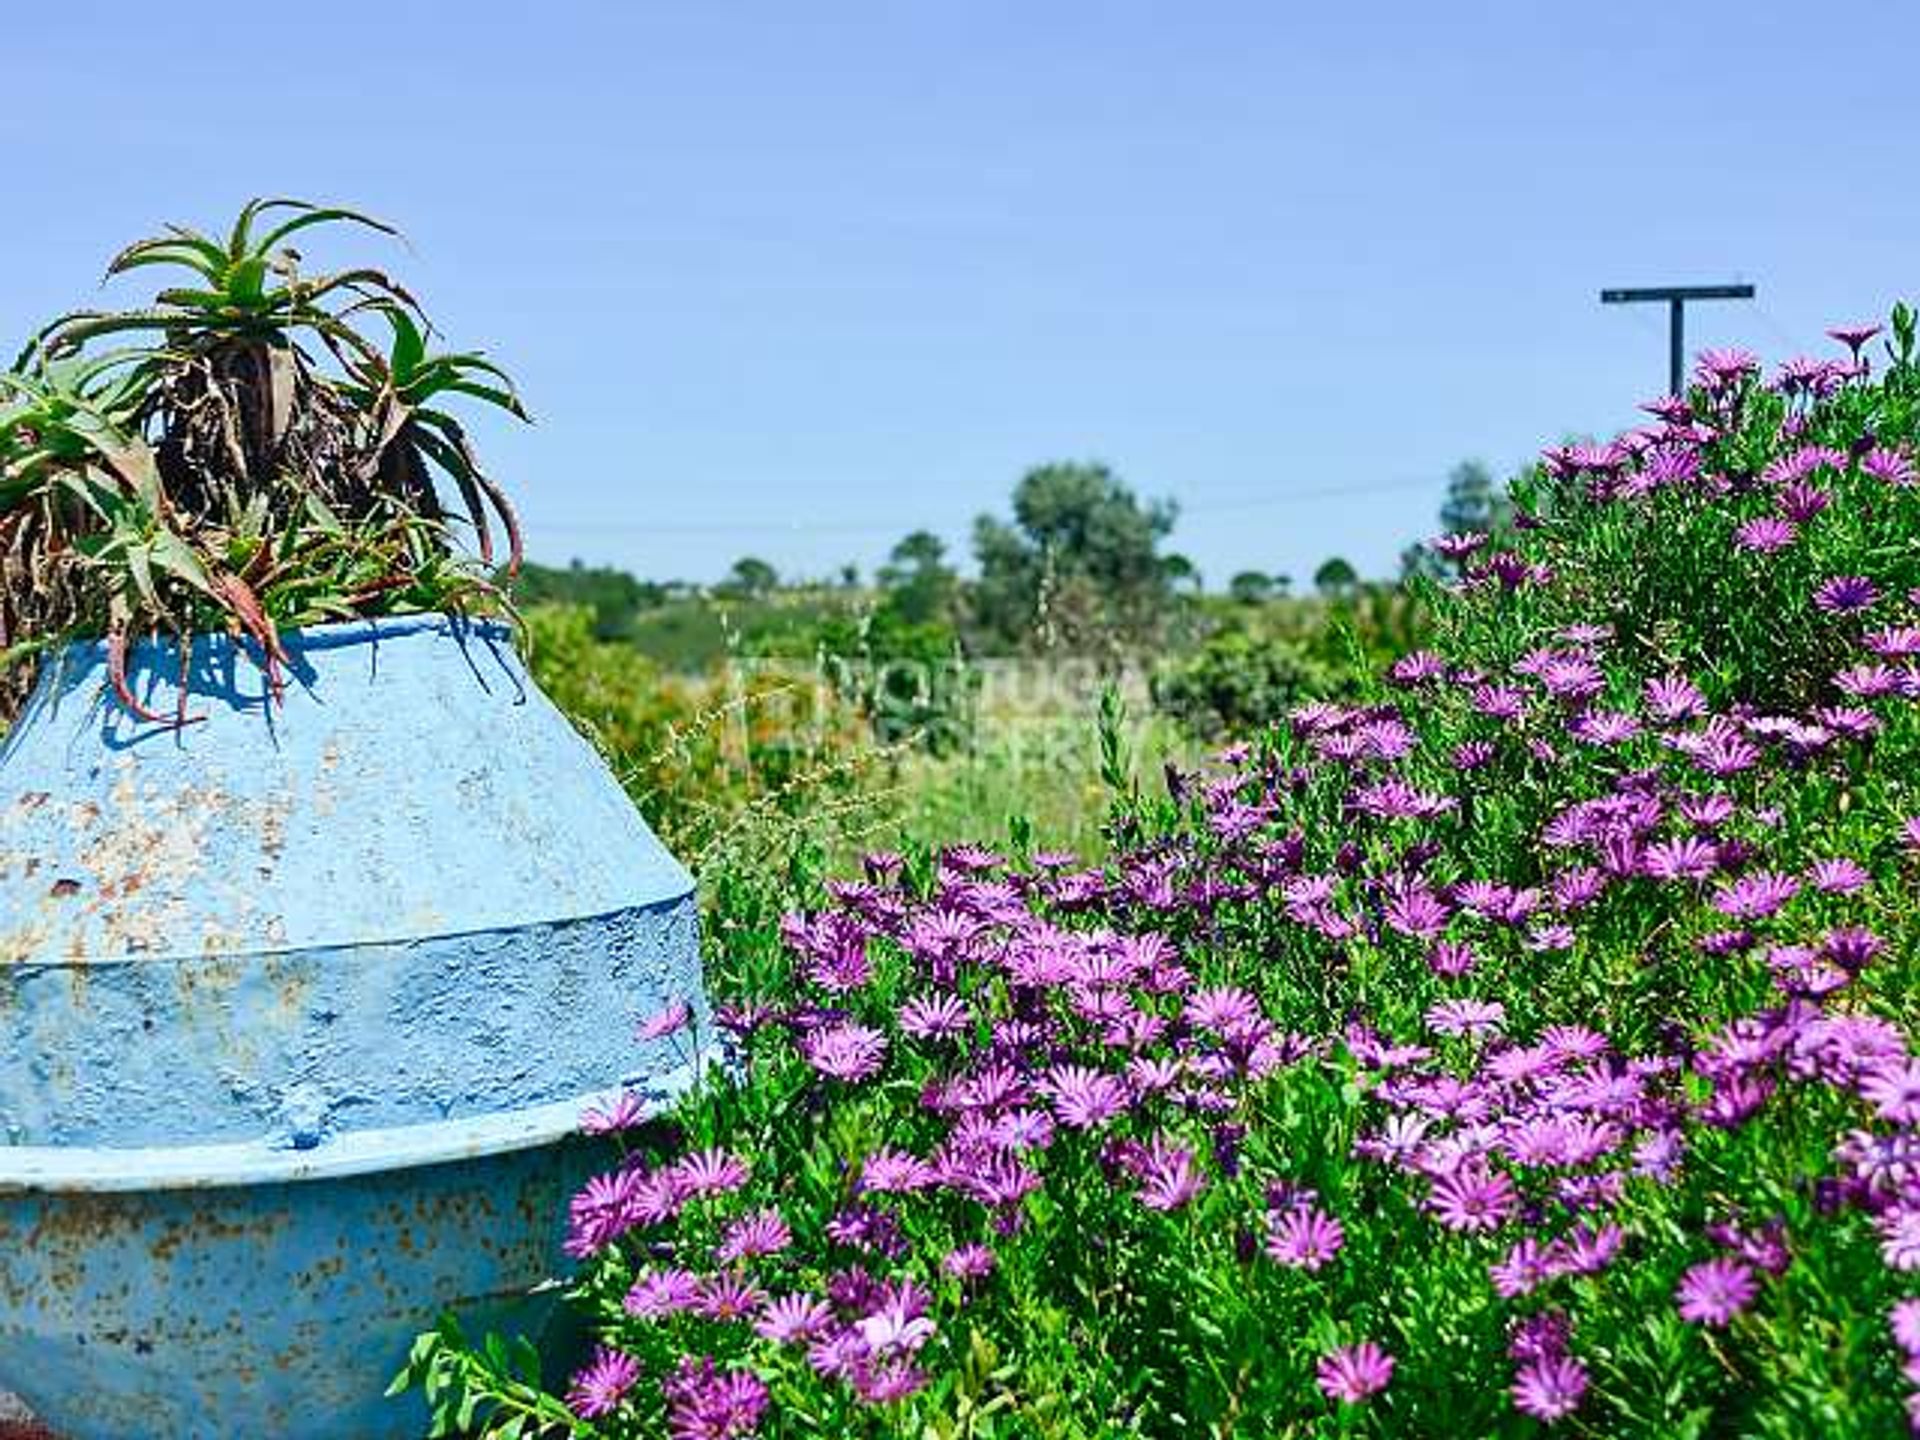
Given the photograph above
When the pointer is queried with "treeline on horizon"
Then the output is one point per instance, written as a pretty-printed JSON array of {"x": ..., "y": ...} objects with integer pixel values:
[
  {"x": 1081, "y": 567},
  {"x": 1082, "y": 564}
]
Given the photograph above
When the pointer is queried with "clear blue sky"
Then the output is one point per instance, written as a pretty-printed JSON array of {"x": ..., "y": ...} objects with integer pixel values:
[{"x": 793, "y": 279}]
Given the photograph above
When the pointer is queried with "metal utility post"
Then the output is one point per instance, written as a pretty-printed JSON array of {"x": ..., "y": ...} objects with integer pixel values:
[{"x": 1676, "y": 297}]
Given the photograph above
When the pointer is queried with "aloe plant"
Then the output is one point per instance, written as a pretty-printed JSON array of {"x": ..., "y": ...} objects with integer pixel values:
[{"x": 257, "y": 447}]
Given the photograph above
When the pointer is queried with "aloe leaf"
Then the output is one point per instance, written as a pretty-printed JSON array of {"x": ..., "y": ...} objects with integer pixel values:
[
  {"x": 140, "y": 568},
  {"x": 194, "y": 252},
  {"x": 409, "y": 345},
  {"x": 246, "y": 283},
  {"x": 177, "y": 558},
  {"x": 318, "y": 216},
  {"x": 368, "y": 283},
  {"x": 493, "y": 395},
  {"x": 237, "y": 238}
]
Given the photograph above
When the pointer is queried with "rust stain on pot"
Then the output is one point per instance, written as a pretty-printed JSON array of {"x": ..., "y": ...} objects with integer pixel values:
[{"x": 207, "y": 1227}]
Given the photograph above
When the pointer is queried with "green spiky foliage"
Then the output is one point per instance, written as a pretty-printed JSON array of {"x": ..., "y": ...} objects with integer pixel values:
[{"x": 256, "y": 448}]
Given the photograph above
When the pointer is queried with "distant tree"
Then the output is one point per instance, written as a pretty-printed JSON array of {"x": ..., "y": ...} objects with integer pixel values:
[
  {"x": 1079, "y": 564},
  {"x": 918, "y": 584},
  {"x": 1236, "y": 682},
  {"x": 1476, "y": 503},
  {"x": 1180, "y": 572},
  {"x": 752, "y": 576},
  {"x": 1251, "y": 587},
  {"x": 1336, "y": 579},
  {"x": 1421, "y": 558},
  {"x": 917, "y": 552},
  {"x": 1282, "y": 584},
  {"x": 849, "y": 576},
  {"x": 614, "y": 596}
]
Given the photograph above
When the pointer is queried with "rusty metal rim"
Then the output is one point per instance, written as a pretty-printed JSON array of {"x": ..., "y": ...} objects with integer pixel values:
[
  {"x": 57, "y": 1169},
  {"x": 328, "y": 635},
  {"x": 187, "y": 957}
]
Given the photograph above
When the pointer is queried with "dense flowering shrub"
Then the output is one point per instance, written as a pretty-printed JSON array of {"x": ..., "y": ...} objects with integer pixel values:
[{"x": 1527, "y": 1042}]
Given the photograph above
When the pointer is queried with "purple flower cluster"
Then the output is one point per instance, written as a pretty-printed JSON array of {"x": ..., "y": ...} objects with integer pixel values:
[{"x": 1022, "y": 1019}]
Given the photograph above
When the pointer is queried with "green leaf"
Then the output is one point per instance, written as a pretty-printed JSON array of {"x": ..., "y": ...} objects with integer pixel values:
[
  {"x": 246, "y": 283},
  {"x": 192, "y": 251},
  {"x": 237, "y": 238},
  {"x": 141, "y": 570},
  {"x": 316, "y": 216},
  {"x": 177, "y": 558},
  {"x": 505, "y": 399},
  {"x": 409, "y": 345}
]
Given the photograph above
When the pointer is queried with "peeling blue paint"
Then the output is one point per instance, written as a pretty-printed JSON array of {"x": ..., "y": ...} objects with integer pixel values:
[{"x": 297, "y": 1006}]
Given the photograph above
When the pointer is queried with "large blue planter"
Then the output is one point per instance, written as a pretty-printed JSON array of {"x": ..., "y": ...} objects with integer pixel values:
[{"x": 299, "y": 1008}]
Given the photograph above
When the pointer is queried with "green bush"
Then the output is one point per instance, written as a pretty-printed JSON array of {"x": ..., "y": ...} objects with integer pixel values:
[{"x": 1240, "y": 683}]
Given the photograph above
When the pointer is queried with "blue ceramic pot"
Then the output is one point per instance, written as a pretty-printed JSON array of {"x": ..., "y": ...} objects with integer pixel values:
[{"x": 299, "y": 1008}]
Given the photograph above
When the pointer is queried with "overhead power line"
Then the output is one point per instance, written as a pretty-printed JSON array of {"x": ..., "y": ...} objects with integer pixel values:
[{"x": 1227, "y": 504}]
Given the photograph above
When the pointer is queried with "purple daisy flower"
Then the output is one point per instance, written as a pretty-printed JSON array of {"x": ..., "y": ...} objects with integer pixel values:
[
  {"x": 1845, "y": 594},
  {"x": 1417, "y": 913},
  {"x": 1706, "y": 812},
  {"x": 664, "y": 1022},
  {"x": 793, "y": 1319},
  {"x": 1451, "y": 958},
  {"x": 1900, "y": 1238},
  {"x": 1586, "y": 1250},
  {"x": 1714, "y": 1291},
  {"x": 1474, "y": 1198},
  {"x": 1853, "y": 336},
  {"x": 710, "y": 1172},
  {"x": 867, "y": 1227},
  {"x": 1755, "y": 896},
  {"x": 1890, "y": 467},
  {"x": 1082, "y": 1097},
  {"x": 1765, "y": 534},
  {"x": 1223, "y": 1009},
  {"x": 704, "y": 1403},
  {"x": 1466, "y": 1017},
  {"x": 600, "y": 1386},
  {"x": 729, "y": 1296},
  {"x": 1354, "y": 1373},
  {"x": 891, "y": 1171},
  {"x": 1169, "y": 1176},
  {"x": 1417, "y": 667},
  {"x": 1305, "y": 1237},
  {"x": 1525, "y": 1267},
  {"x": 764, "y": 1232},
  {"x": 1718, "y": 369},
  {"x": 1473, "y": 754},
  {"x": 848, "y": 1051},
  {"x": 621, "y": 1113},
  {"x": 1549, "y": 1387},
  {"x": 1457, "y": 545},
  {"x": 1540, "y": 1335},
  {"x": 1904, "y": 1320},
  {"x": 608, "y": 1207},
  {"x": 1687, "y": 858},
  {"x": 968, "y": 1262},
  {"x": 1838, "y": 876},
  {"x": 660, "y": 1293},
  {"x": 1670, "y": 698},
  {"x": 934, "y": 1017},
  {"x": 1893, "y": 1089},
  {"x": 896, "y": 1328},
  {"x": 886, "y": 1383},
  {"x": 1603, "y": 727}
]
